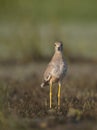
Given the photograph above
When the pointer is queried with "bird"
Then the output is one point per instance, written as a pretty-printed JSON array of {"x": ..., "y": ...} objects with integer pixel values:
[{"x": 55, "y": 71}]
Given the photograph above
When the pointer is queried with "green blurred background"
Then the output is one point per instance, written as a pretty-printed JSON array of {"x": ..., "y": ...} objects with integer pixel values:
[{"x": 28, "y": 28}]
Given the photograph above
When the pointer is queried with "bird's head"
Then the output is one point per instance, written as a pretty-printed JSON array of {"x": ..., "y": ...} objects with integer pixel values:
[{"x": 58, "y": 46}]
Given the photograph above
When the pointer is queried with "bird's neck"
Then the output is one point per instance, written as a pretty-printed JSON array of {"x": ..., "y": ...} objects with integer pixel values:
[
  {"x": 59, "y": 52},
  {"x": 58, "y": 55}
]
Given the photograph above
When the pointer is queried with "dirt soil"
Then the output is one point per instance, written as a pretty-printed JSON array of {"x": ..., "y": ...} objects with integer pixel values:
[{"x": 25, "y": 99}]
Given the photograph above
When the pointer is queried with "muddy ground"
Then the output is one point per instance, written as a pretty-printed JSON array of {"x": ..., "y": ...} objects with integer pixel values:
[{"x": 27, "y": 104}]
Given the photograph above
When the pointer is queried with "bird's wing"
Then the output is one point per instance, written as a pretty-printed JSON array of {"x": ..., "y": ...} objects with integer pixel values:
[{"x": 48, "y": 72}]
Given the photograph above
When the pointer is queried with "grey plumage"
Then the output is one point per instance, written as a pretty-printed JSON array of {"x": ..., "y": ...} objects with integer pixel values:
[{"x": 57, "y": 67}]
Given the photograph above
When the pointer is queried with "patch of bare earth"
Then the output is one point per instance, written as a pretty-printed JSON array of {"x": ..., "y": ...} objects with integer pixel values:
[{"x": 26, "y": 99}]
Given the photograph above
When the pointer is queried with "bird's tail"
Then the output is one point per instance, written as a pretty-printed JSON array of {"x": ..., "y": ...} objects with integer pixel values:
[{"x": 44, "y": 84}]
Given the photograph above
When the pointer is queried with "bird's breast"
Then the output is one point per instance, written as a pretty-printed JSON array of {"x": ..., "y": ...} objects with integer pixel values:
[{"x": 58, "y": 70}]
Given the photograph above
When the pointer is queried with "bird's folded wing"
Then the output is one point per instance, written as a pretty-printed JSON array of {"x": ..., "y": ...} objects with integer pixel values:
[{"x": 48, "y": 72}]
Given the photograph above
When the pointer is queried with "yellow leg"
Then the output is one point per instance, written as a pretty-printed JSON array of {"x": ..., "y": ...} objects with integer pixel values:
[
  {"x": 59, "y": 91},
  {"x": 50, "y": 95}
]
